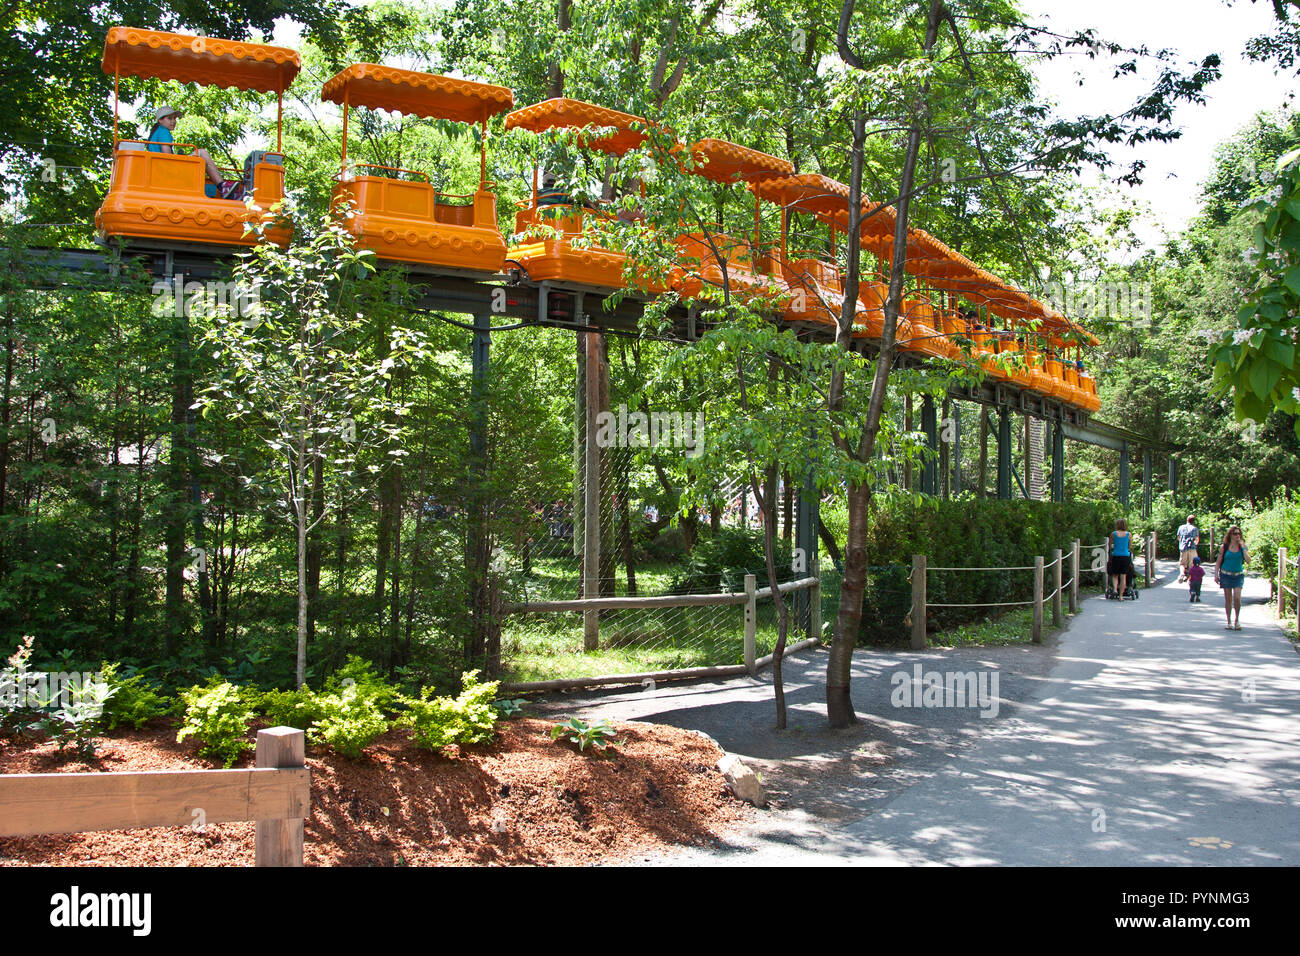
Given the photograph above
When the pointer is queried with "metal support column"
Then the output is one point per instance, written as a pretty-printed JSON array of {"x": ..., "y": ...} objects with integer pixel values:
[
  {"x": 956, "y": 448},
  {"x": 805, "y": 542},
  {"x": 1004, "y": 454},
  {"x": 930, "y": 467},
  {"x": 1146, "y": 482},
  {"x": 1123, "y": 475},
  {"x": 1058, "y": 462},
  {"x": 477, "y": 558}
]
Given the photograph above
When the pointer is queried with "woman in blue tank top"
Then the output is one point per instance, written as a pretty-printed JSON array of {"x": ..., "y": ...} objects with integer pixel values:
[
  {"x": 1121, "y": 558},
  {"x": 1230, "y": 574}
]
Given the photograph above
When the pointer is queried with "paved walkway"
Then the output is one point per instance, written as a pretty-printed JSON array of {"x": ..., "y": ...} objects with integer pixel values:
[{"x": 1143, "y": 734}]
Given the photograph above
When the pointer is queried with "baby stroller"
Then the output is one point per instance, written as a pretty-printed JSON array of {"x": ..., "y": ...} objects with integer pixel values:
[{"x": 1113, "y": 568}]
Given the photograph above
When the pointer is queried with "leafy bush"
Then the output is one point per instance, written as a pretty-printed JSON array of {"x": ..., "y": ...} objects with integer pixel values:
[
  {"x": 600, "y": 736},
  {"x": 76, "y": 721},
  {"x": 359, "y": 673},
  {"x": 298, "y": 708},
  {"x": 722, "y": 559},
  {"x": 510, "y": 707},
  {"x": 218, "y": 714},
  {"x": 15, "y": 714},
  {"x": 133, "y": 700},
  {"x": 468, "y": 719},
  {"x": 964, "y": 533},
  {"x": 348, "y": 721}
]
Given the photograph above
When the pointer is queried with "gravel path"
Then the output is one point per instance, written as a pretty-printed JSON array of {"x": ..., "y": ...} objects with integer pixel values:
[{"x": 1143, "y": 734}]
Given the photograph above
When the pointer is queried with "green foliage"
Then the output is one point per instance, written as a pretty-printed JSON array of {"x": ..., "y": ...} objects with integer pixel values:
[
  {"x": 348, "y": 721},
  {"x": 299, "y": 708},
  {"x": 218, "y": 715},
  {"x": 469, "y": 718},
  {"x": 510, "y": 707},
  {"x": 15, "y": 713},
  {"x": 1267, "y": 530},
  {"x": 599, "y": 736},
  {"x": 721, "y": 560},
  {"x": 1257, "y": 361},
  {"x": 963, "y": 534},
  {"x": 360, "y": 673},
  {"x": 76, "y": 716},
  {"x": 134, "y": 700}
]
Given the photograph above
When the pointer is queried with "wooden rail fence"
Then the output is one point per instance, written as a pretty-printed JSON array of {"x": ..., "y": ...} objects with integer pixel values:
[
  {"x": 276, "y": 794},
  {"x": 591, "y": 608}
]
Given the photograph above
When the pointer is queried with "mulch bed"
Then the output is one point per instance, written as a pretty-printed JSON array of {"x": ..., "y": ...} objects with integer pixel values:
[{"x": 524, "y": 799}]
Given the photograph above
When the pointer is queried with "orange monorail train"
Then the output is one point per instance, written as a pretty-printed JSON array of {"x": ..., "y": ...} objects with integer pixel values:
[{"x": 954, "y": 310}]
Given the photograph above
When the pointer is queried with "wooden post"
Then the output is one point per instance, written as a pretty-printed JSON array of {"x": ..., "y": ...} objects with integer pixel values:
[
  {"x": 279, "y": 842},
  {"x": 751, "y": 623},
  {"x": 1038, "y": 599},
  {"x": 1212, "y": 543},
  {"x": 918, "y": 602},
  {"x": 1297, "y": 591},
  {"x": 1074, "y": 576},
  {"x": 1056, "y": 597},
  {"x": 1281, "y": 580},
  {"x": 1147, "y": 570}
]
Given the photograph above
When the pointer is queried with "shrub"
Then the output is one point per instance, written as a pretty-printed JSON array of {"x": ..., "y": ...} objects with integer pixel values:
[
  {"x": 298, "y": 708},
  {"x": 598, "y": 736},
  {"x": 76, "y": 721},
  {"x": 358, "y": 672},
  {"x": 722, "y": 559},
  {"x": 468, "y": 719},
  {"x": 348, "y": 721},
  {"x": 133, "y": 700},
  {"x": 218, "y": 715},
  {"x": 15, "y": 714}
]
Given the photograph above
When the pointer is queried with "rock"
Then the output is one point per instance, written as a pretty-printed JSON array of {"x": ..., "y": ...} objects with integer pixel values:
[{"x": 742, "y": 781}]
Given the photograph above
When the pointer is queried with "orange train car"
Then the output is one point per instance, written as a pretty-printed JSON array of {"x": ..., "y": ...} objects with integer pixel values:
[
  {"x": 397, "y": 212},
  {"x": 155, "y": 195},
  {"x": 547, "y": 224}
]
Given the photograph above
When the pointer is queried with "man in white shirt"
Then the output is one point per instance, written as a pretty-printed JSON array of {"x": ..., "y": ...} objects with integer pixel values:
[{"x": 1189, "y": 537}]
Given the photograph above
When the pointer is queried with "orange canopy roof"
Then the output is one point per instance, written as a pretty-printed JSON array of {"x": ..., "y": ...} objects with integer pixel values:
[
  {"x": 807, "y": 192},
  {"x": 420, "y": 94},
  {"x": 575, "y": 114},
  {"x": 727, "y": 162},
  {"x": 207, "y": 61}
]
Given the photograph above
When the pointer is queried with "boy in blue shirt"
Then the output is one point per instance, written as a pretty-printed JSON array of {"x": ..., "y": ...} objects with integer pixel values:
[{"x": 165, "y": 118}]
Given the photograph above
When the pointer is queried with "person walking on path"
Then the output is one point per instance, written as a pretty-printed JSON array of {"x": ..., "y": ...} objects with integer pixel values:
[
  {"x": 1121, "y": 558},
  {"x": 1189, "y": 539},
  {"x": 1195, "y": 574},
  {"x": 1230, "y": 574}
]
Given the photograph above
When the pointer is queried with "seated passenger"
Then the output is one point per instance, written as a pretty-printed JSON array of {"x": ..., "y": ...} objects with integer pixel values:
[
  {"x": 165, "y": 118},
  {"x": 549, "y": 195}
]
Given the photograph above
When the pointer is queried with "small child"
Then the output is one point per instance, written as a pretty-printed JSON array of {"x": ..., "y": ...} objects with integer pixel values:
[{"x": 1195, "y": 574}]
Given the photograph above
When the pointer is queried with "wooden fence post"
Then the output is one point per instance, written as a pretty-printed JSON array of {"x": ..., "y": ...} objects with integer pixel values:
[
  {"x": 1281, "y": 582},
  {"x": 751, "y": 624},
  {"x": 1056, "y": 596},
  {"x": 1038, "y": 599},
  {"x": 279, "y": 842},
  {"x": 918, "y": 602},
  {"x": 1297, "y": 591},
  {"x": 1074, "y": 576}
]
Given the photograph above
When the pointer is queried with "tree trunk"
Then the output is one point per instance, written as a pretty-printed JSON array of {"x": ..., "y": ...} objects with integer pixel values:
[{"x": 839, "y": 704}]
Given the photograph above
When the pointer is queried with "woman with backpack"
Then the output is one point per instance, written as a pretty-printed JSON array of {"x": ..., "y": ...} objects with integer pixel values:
[
  {"x": 1230, "y": 574},
  {"x": 1121, "y": 558}
]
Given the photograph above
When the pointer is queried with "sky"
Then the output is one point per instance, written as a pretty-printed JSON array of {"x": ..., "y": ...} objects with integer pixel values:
[{"x": 1194, "y": 28}]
